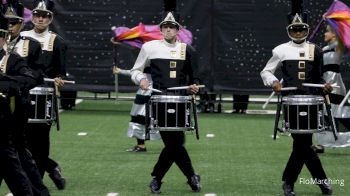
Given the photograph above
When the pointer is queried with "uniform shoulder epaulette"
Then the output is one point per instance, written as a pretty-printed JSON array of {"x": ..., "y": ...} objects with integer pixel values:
[
  {"x": 28, "y": 38},
  {"x": 57, "y": 36}
]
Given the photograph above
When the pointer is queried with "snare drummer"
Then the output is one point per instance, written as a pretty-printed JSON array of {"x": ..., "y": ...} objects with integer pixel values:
[
  {"x": 171, "y": 65},
  {"x": 54, "y": 60},
  {"x": 300, "y": 61}
]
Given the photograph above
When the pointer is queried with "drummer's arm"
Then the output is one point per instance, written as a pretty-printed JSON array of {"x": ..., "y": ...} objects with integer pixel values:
[
  {"x": 267, "y": 74},
  {"x": 137, "y": 75}
]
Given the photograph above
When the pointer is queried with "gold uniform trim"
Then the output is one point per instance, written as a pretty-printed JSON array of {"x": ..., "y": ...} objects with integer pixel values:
[
  {"x": 25, "y": 48},
  {"x": 172, "y": 74},
  {"x": 51, "y": 42},
  {"x": 301, "y": 75},
  {"x": 173, "y": 54},
  {"x": 311, "y": 52},
  {"x": 172, "y": 64},
  {"x": 183, "y": 51},
  {"x": 3, "y": 65}
]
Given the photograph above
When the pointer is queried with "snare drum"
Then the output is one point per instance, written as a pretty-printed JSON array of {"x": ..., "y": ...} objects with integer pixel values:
[
  {"x": 303, "y": 114},
  {"x": 170, "y": 113},
  {"x": 41, "y": 105}
]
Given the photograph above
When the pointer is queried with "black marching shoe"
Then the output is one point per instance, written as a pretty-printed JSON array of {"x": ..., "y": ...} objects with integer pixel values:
[
  {"x": 318, "y": 148},
  {"x": 288, "y": 189},
  {"x": 136, "y": 149},
  {"x": 326, "y": 188},
  {"x": 154, "y": 185},
  {"x": 57, "y": 178},
  {"x": 194, "y": 183}
]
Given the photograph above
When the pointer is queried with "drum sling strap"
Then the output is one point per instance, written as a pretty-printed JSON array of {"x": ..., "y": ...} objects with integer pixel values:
[
  {"x": 330, "y": 118},
  {"x": 194, "y": 106},
  {"x": 277, "y": 116}
]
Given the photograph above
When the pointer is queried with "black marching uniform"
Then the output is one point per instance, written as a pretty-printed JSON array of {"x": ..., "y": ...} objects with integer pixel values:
[
  {"x": 171, "y": 65},
  {"x": 54, "y": 60},
  {"x": 16, "y": 167},
  {"x": 30, "y": 50},
  {"x": 14, "y": 14},
  {"x": 299, "y": 63}
]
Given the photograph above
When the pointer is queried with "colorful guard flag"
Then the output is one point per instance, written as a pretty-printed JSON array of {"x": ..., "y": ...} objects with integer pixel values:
[
  {"x": 338, "y": 16},
  {"x": 141, "y": 34}
]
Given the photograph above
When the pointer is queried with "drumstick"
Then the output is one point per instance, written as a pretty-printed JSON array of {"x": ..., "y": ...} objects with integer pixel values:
[
  {"x": 184, "y": 87},
  {"x": 319, "y": 85},
  {"x": 289, "y": 88},
  {"x": 154, "y": 90},
  {"x": 53, "y": 80}
]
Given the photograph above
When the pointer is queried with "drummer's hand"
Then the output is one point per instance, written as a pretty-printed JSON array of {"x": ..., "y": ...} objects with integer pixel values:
[
  {"x": 116, "y": 70},
  {"x": 194, "y": 88},
  {"x": 59, "y": 82},
  {"x": 276, "y": 86},
  {"x": 327, "y": 88},
  {"x": 144, "y": 84}
]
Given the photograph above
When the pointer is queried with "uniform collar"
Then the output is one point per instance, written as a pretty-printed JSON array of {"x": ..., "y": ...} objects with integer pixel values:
[
  {"x": 43, "y": 34},
  {"x": 169, "y": 44},
  {"x": 302, "y": 44}
]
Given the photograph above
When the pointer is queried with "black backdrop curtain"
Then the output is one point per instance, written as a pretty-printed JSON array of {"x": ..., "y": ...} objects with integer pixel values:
[{"x": 233, "y": 39}]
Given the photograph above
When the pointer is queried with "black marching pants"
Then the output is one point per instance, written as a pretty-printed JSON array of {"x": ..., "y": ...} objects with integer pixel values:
[
  {"x": 303, "y": 154},
  {"x": 174, "y": 151},
  {"x": 12, "y": 172},
  {"x": 38, "y": 135}
]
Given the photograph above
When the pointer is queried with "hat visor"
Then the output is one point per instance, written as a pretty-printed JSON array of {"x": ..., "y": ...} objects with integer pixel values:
[
  {"x": 14, "y": 21},
  {"x": 170, "y": 23},
  {"x": 41, "y": 11},
  {"x": 14, "y": 18}
]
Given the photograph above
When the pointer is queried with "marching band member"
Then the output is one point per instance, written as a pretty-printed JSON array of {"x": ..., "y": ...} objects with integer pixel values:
[
  {"x": 30, "y": 50},
  {"x": 300, "y": 61},
  {"x": 17, "y": 167},
  {"x": 170, "y": 64},
  {"x": 54, "y": 60}
]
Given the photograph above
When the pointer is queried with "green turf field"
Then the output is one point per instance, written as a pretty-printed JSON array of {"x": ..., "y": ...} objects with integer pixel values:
[{"x": 242, "y": 159}]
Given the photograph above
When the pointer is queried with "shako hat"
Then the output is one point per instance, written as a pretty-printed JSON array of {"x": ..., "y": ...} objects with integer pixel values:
[{"x": 43, "y": 6}]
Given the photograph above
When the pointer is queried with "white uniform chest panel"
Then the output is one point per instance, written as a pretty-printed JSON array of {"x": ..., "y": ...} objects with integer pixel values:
[
  {"x": 159, "y": 50},
  {"x": 289, "y": 52},
  {"x": 44, "y": 39},
  {"x": 19, "y": 48}
]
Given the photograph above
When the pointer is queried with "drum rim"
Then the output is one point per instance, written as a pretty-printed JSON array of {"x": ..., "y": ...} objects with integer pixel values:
[
  {"x": 305, "y": 131},
  {"x": 41, "y": 90},
  {"x": 171, "y": 98},
  {"x": 303, "y": 100}
]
